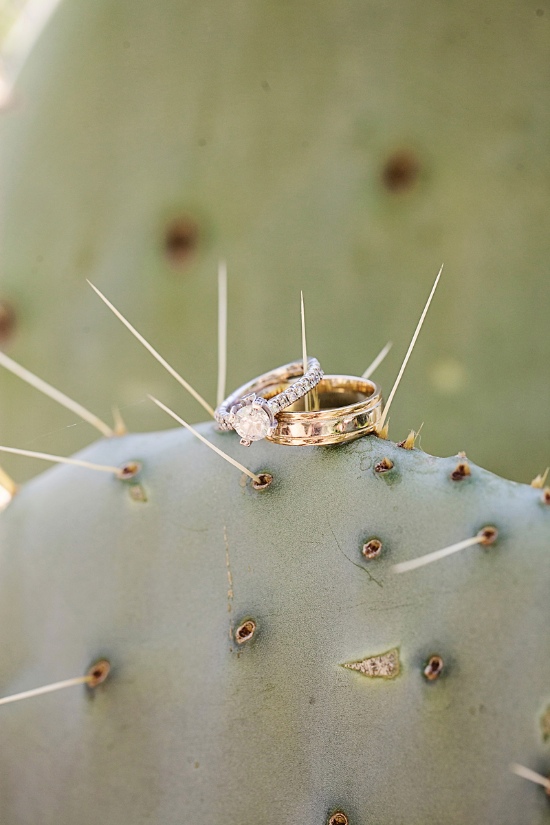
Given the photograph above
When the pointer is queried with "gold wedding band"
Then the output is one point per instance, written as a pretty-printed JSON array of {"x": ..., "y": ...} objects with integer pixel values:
[{"x": 346, "y": 407}]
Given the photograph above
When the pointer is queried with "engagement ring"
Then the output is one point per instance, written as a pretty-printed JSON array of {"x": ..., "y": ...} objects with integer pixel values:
[{"x": 252, "y": 415}]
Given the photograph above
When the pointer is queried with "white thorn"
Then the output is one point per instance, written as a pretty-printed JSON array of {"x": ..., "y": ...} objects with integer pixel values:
[
  {"x": 204, "y": 440},
  {"x": 312, "y": 394},
  {"x": 405, "y": 566},
  {"x": 532, "y": 776},
  {"x": 409, "y": 351},
  {"x": 61, "y": 459},
  {"x": 304, "y": 344},
  {"x": 154, "y": 353},
  {"x": 222, "y": 331},
  {"x": 55, "y": 395},
  {"x": 28, "y": 694},
  {"x": 378, "y": 360},
  {"x": 540, "y": 480},
  {"x": 120, "y": 425}
]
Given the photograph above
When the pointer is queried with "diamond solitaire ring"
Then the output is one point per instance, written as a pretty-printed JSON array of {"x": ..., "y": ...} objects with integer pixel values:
[{"x": 253, "y": 416}]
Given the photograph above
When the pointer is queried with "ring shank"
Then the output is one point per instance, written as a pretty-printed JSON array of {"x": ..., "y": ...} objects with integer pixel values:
[{"x": 349, "y": 407}]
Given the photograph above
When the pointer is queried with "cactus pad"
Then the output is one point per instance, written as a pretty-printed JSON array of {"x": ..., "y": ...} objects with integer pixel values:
[{"x": 264, "y": 667}]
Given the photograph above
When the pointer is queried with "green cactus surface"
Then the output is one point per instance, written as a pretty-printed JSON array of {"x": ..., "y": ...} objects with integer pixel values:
[
  {"x": 264, "y": 668},
  {"x": 268, "y": 663},
  {"x": 346, "y": 150}
]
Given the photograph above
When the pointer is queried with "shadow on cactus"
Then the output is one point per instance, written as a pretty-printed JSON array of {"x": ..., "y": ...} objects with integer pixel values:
[{"x": 255, "y": 644}]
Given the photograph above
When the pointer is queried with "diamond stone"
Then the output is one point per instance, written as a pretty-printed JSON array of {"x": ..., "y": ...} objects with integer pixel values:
[{"x": 252, "y": 423}]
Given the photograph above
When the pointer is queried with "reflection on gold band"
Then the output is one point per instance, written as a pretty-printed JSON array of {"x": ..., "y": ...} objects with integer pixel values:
[{"x": 345, "y": 407}]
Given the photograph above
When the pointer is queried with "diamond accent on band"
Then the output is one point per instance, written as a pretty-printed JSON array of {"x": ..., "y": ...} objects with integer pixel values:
[{"x": 252, "y": 423}]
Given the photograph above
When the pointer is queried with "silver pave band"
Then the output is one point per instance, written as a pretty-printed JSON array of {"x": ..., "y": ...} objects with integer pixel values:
[{"x": 254, "y": 417}]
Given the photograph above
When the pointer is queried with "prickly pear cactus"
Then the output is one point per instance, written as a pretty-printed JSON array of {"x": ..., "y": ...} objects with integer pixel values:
[
  {"x": 268, "y": 664},
  {"x": 346, "y": 151}
]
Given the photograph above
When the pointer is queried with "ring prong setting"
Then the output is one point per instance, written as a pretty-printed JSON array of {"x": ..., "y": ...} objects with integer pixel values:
[{"x": 253, "y": 420}]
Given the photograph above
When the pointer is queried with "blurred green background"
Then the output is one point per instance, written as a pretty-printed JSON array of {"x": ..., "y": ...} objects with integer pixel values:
[
  {"x": 9, "y": 11},
  {"x": 346, "y": 149}
]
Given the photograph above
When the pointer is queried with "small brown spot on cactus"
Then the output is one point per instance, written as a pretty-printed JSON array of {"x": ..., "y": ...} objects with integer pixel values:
[
  {"x": 383, "y": 466},
  {"x": 545, "y": 498},
  {"x": 338, "y": 818},
  {"x": 98, "y": 673},
  {"x": 540, "y": 480},
  {"x": 181, "y": 241},
  {"x": 263, "y": 481},
  {"x": 461, "y": 471},
  {"x": 372, "y": 549},
  {"x": 487, "y": 536},
  {"x": 433, "y": 668},
  {"x": 245, "y": 631},
  {"x": 385, "y": 666},
  {"x": 7, "y": 322},
  {"x": 129, "y": 470},
  {"x": 400, "y": 171}
]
